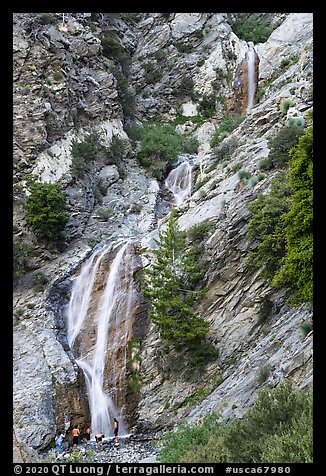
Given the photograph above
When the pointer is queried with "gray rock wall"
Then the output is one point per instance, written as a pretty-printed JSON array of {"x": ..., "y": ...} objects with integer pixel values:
[{"x": 48, "y": 389}]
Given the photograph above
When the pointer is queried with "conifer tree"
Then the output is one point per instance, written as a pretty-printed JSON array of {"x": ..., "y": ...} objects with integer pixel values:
[
  {"x": 168, "y": 285},
  {"x": 46, "y": 209}
]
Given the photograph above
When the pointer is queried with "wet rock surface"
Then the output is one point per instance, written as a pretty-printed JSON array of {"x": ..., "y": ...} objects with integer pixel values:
[{"x": 128, "y": 450}]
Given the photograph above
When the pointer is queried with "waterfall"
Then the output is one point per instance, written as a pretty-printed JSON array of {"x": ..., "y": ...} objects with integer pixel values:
[
  {"x": 251, "y": 57},
  {"x": 104, "y": 314},
  {"x": 179, "y": 182}
]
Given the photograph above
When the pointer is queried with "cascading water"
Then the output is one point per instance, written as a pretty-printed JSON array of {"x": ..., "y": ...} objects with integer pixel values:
[
  {"x": 251, "y": 59},
  {"x": 179, "y": 182},
  {"x": 100, "y": 319},
  {"x": 105, "y": 315}
]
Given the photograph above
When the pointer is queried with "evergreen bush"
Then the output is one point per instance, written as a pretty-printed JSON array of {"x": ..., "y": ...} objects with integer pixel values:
[
  {"x": 266, "y": 226},
  {"x": 207, "y": 105},
  {"x": 185, "y": 88},
  {"x": 281, "y": 225},
  {"x": 160, "y": 146},
  {"x": 228, "y": 124},
  {"x": 46, "y": 209},
  {"x": 83, "y": 153},
  {"x": 282, "y": 142},
  {"x": 252, "y": 29},
  {"x": 277, "y": 429},
  {"x": 296, "y": 271},
  {"x": 168, "y": 284}
]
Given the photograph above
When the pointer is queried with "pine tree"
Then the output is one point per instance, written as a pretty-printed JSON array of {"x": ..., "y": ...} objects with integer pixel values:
[{"x": 168, "y": 285}]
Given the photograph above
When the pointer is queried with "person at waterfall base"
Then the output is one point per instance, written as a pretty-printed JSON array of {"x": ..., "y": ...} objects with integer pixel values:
[
  {"x": 59, "y": 440},
  {"x": 88, "y": 436},
  {"x": 98, "y": 438},
  {"x": 115, "y": 430},
  {"x": 75, "y": 435}
]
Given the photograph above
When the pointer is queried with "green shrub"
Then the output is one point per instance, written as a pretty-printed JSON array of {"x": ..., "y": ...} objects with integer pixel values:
[
  {"x": 252, "y": 29},
  {"x": 274, "y": 414},
  {"x": 194, "y": 119},
  {"x": 160, "y": 146},
  {"x": 46, "y": 209},
  {"x": 228, "y": 124},
  {"x": 189, "y": 144},
  {"x": 160, "y": 55},
  {"x": 286, "y": 104},
  {"x": 264, "y": 164},
  {"x": 266, "y": 226},
  {"x": 117, "y": 149},
  {"x": 47, "y": 19},
  {"x": 21, "y": 252},
  {"x": 277, "y": 429},
  {"x": 111, "y": 47},
  {"x": 185, "y": 88},
  {"x": 297, "y": 121},
  {"x": 177, "y": 444},
  {"x": 200, "y": 232},
  {"x": 57, "y": 76},
  {"x": 153, "y": 73},
  {"x": 236, "y": 167},
  {"x": 133, "y": 132},
  {"x": 183, "y": 47},
  {"x": 207, "y": 105},
  {"x": 226, "y": 148},
  {"x": 305, "y": 328},
  {"x": 126, "y": 95},
  {"x": 265, "y": 309},
  {"x": 282, "y": 142},
  {"x": 104, "y": 213},
  {"x": 244, "y": 175},
  {"x": 134, "y": 381},
  {"x": 286, "y": 63},
  {"x": 102, "y": 187},
  {"x": 201, "y": 180},
  {"x": 40, "y": 280},
  {"x": 83, "y": 153},
  {"x": 296, "y": 271},
  {"x": 263, "y": 373},
  {"x": 252, "y": 181},
  {"x": 281, "y": 224},
  {"x": 293, "y": 445}
]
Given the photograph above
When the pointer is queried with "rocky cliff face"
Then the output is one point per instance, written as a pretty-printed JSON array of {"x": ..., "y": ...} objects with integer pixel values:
[{"x": 63, "y": 89}]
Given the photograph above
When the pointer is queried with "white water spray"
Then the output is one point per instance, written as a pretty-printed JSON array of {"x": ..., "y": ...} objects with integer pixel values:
[
  {"x": 251, "y": 55},
  {"x": 179, "y": 182},
  {"x": 110, "y": 319}
]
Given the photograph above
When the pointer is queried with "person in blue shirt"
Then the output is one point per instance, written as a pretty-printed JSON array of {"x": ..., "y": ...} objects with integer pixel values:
[{"x": 59, "y": 440}]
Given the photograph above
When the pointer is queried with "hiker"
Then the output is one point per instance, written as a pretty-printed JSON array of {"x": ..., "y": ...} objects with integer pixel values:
[
  {"x": 75, "y": 435},
  {"x": 116, "y": 430},
  {"x": 199, "y": 422},
  {"x": 98, "y": 438},
  {"x": 59, "y": 440},
  {"x": 88, "y": 436}
]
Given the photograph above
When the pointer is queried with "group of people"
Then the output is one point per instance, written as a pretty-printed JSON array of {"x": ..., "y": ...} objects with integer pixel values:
[{"x": 76, "y": 435}]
